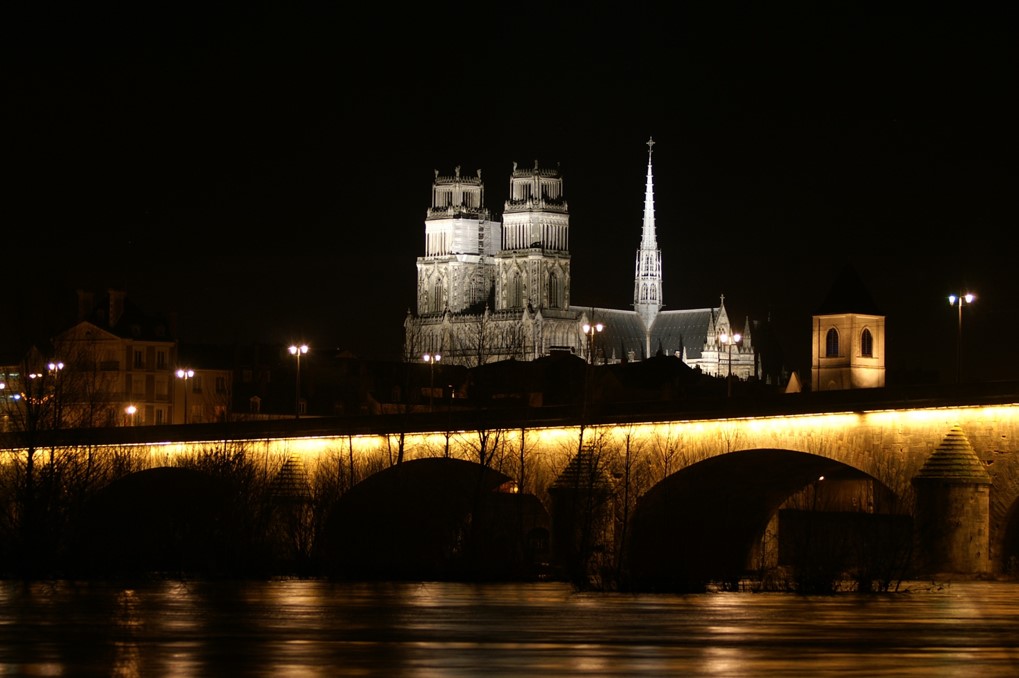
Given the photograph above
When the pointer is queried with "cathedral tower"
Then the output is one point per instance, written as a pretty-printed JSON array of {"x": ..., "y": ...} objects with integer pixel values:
[
  {"x": 647, "y": 284},
  {"x": 456, "y": 272},
  {"x": 533, "y": 266}
]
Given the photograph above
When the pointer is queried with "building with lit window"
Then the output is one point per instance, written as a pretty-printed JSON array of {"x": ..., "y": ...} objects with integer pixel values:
[{"x": 115, "y": 366}]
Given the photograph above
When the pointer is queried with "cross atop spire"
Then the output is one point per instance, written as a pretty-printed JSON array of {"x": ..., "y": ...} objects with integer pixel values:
[{"x": 650, "y": 147}]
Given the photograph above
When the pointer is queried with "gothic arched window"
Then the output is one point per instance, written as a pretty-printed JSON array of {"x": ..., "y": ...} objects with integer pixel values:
[
  {"x": 831, "y": 343},
  {"x": 436, "y": 300},
  {"x": 866, "y": 344},
  {"x": 477, "y": 289},
  {"x": 517, "y": 291},
  {"x": 553, "y": 291}
]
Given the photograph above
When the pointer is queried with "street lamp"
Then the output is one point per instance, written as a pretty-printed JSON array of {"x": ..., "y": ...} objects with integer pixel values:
[
  {"x": 129, "y": 411},
  {"x": 431, "y": 359},
  {"x": 298, "y": 351},
  {"x": 959, "y": 300},
  {"x": 54, "y": 369},
  {"x": 730, "y": 339},
  {"x": 185, "y": 375},
  {"x": 590, "y": 331}
]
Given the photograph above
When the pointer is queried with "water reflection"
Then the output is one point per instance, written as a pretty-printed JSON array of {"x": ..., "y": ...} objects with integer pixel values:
[{"x": 313, "y": 628}]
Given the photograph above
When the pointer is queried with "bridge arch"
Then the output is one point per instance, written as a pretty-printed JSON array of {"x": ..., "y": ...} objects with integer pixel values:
[
  {"x": 435, "y": 518},
  {"x": 1009, "y": 549},
  {"x": 161, "y": 520},
  {"x": 709, "y": 520}
]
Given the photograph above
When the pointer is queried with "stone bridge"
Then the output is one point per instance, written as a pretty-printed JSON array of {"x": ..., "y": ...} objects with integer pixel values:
[{"x": 691, "y": 492}]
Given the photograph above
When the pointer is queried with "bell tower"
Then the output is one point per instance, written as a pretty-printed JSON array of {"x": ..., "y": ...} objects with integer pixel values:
[
  {"x": 533, "y": 264},
  {"x": 456, "y": 272},
  {"x": 848, "y": 343}
]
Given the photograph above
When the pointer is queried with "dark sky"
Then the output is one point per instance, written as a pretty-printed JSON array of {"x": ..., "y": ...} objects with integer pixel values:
[{"x": 263, "y": 169}]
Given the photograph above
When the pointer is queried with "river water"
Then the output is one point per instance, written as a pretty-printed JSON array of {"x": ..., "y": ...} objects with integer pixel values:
[{"x": 317, "y": 628}]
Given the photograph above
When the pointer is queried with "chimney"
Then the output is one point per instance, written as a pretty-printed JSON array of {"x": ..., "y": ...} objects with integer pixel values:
[
  {"x": 116, "y": 306},
  {"x": 86, "y": 304}
]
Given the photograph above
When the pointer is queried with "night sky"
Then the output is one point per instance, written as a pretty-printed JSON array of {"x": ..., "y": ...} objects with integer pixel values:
[{"x": 263, "y": 169}]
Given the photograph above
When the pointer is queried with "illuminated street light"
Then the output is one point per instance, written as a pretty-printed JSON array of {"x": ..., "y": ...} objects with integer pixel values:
[
  {"x": 298, "y": 351},
  {"x": 129, "y": 411},
  {"x": 959, "y": 300},
  {"x": 54, "y": 369},
  {"x": 591, "y": 331},
  {"x": 730, "y": 339},
  {"x": 431, "y": 359},
  {"x": 185, "y": 375}
]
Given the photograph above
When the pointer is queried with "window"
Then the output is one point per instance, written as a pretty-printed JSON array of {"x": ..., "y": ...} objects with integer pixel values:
[
  {"x": 138, "y": 362},
  {"x": 160, "y": 360},
  {"x": 196, "y": 384},
  {"x": 159, "y": 416},
  {"x": 516, "y": 291},
  {"x": 831, "y": 343},
  {"x": 436, "y": 300},
  {"x": 478, "y": 293},
  {"x": 553, "y": 291},
  {"x": 108, "y": 361},
  {"x": 220, "y": 384},
  {"x": 866, "y": 344}
]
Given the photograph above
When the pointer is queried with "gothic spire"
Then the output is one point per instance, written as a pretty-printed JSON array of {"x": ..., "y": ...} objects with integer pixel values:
[
  {"x": 647, "y": 286},
  {"x": 648, "y": 238}
]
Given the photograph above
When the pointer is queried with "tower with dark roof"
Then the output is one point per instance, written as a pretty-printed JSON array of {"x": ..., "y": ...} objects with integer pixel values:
[{"x": 848, "y": 337}]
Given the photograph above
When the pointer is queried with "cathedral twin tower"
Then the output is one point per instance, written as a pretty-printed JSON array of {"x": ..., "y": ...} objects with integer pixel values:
[{"x": 490, "y": 290}]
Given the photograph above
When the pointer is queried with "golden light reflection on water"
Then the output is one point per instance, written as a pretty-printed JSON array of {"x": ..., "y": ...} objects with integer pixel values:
[{"x": 314, "y": 628}]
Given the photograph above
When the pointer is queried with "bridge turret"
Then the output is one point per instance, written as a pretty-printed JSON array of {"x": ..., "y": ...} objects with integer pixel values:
[{"x": 952, "y": 515}]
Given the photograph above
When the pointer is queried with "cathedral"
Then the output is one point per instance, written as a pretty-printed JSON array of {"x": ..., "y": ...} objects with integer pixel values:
[{"x": 490, "y": 290}]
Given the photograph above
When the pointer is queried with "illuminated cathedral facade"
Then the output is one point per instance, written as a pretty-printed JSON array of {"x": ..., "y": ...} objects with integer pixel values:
[{"x": 491, "y": 290}]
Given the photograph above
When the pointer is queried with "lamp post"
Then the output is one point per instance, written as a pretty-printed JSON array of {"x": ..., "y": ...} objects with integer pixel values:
[
  {"x": 129, "y": 411},
  {"x": 431, "y": 359},
  {"x": 54, "y": 368},
  {"x": 185, "y": 375},
  {"x": 729, "y": 339},
  {"x": 590, "y": 331},
  {"x": 958, "y": 300},
  {"x": 298, "y": 351}
]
